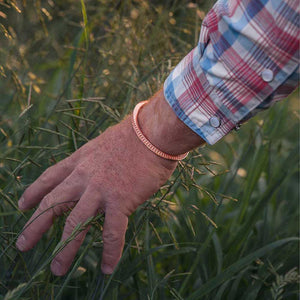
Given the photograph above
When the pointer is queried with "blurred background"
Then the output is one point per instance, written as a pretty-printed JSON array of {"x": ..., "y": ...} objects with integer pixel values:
[{"x": 226, "y": 224}]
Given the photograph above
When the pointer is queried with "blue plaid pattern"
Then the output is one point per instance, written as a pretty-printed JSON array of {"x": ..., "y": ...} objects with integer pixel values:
[{"x": 223, "y": 77}]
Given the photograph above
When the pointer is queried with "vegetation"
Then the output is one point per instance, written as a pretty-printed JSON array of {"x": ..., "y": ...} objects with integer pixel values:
[{"x": 225, "y": 226}]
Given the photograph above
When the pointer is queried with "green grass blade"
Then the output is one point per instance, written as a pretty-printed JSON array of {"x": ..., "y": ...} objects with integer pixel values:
[{"x": 236, "y": 267}]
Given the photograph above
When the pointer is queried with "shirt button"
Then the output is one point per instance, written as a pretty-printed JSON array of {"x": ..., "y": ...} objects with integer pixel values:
[
  {"x": 214, "y": 122},
  {"x": 267, "y": 75}
]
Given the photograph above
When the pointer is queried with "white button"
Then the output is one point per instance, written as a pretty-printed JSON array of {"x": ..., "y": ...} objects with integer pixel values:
[
  {"x": 237, "y": 126},
  {"x": 267, "y": 75},
  {"x": 214, "y": 122}
]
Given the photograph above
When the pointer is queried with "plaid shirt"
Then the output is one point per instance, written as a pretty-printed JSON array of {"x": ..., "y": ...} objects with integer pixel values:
[{"x": 247, "y": 58}]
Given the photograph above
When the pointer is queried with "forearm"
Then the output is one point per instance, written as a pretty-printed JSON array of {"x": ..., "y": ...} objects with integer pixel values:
[{"x": 164, "y": 129}]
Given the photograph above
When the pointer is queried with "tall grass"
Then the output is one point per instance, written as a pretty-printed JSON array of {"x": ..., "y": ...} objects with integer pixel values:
[{"x": 225, "y": 226}]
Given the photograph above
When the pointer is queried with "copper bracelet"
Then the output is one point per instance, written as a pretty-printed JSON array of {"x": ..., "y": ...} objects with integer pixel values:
[{"x": 145, "y": 141}]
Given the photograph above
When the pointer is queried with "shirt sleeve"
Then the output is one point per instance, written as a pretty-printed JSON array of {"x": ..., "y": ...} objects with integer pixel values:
[{"x": 247, "y": 58}]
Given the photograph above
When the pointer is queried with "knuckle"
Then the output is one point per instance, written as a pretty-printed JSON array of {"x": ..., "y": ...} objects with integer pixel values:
[
  {"x": 111, "y": 237},
  {"x": 71, "y": 223},
  {"x": 50, "y": 174},
  {"x": 46, "y": 203},
  {"x": 46, "y": 176},
  {"x": 81, "y": 171},
  {"x": 49, "y": 203}
]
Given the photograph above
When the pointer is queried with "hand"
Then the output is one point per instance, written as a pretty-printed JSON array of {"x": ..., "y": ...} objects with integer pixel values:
[{"x": 114, "y": 174}]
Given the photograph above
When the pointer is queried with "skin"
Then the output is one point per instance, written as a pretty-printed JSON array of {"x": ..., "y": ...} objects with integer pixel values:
[{"x": 113, "y": 173}]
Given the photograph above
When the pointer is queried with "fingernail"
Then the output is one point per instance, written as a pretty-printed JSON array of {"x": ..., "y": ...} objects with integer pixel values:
[
  {"x": 21, "y": 202},
  {"x": 106, "y": 269},
  {"x": 21, "y": 242},
  {"x": 56, "y": 268}
]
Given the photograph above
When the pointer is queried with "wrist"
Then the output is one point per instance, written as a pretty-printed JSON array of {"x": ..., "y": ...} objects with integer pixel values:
[
  {"x": 145, "y": 141},
  {"x": 164, "y": 129}
]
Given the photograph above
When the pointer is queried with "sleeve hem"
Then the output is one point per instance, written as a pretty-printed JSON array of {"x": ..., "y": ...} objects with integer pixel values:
[{"x": 208, "y": 133}]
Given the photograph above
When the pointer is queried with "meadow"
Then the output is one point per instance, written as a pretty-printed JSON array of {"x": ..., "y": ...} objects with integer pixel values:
[{"x": 226, "y": 224}]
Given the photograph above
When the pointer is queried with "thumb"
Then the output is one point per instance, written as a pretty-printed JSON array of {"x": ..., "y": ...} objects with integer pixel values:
[{"x": 114, "y": 229}]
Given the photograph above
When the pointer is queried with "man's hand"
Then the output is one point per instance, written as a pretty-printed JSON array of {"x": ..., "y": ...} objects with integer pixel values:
[{"x": 113, "y": 174}]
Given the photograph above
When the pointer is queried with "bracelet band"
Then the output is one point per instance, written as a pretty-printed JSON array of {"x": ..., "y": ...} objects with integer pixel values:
[{"x": 145, "y": 141}]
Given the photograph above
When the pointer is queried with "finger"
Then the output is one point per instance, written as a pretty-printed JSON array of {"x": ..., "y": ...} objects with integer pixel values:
[
  {"x": 45, "y": 183},
  {"x": 86, "y": 207},
  {"x": 115, "y": 225},
  {"x": 61, "y": 199}
]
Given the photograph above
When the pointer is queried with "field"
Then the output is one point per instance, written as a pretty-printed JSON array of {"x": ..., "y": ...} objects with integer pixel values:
[{"x": 225, "y": 226}]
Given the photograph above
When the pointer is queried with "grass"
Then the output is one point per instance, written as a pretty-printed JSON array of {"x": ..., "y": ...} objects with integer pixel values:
[{"x": 225, "y": 226}]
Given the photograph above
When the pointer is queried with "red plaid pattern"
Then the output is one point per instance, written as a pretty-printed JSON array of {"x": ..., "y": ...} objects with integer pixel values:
[{"x": 247, "y": 58}]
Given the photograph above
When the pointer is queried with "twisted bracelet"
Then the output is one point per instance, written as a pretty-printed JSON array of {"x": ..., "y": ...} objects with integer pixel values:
[{"x": 145, "y": 141}]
